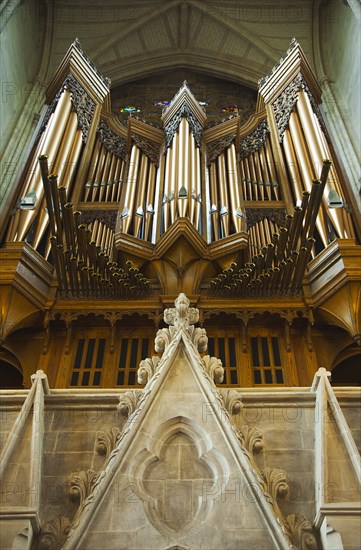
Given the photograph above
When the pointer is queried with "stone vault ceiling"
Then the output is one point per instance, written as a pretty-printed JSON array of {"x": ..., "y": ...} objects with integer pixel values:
[{"x": 234, "y": 39}]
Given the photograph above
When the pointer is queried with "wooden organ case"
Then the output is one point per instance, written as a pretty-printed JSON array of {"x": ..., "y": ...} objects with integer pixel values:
[{"x": 254, "y": 223}]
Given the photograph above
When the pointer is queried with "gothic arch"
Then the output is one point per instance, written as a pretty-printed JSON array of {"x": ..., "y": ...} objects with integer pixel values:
[
  {"x": 346, "y": 366},
  {"x": 11, "y": 371}
]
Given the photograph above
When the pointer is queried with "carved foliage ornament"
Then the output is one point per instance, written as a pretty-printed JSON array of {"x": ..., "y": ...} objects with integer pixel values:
[
  {"x": 276, "y": 215},
  {"x": 112, "y": 141},
  {"x": 107, "y": 217},
  {"x": 254, "y": 140},
  {"x": 172, "y": 126},
  {"x": 107, "y": 441},
  {"x": 54, "y": 534},
  {"x": 148, "y": 147},
  {"x": 215, "y": 148},
  {"x": 83, "y": 105},
  {"x": 285, "y": 103}
]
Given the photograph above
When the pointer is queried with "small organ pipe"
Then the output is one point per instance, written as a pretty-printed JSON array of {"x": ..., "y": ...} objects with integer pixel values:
[{"x": 92, "y": 168}]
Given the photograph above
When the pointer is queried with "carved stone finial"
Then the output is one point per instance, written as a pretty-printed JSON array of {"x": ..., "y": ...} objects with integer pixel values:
[{"x": 181, "y": 316}]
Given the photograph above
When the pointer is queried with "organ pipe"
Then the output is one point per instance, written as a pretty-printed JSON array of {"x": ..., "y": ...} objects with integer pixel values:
[{"x": 50, "y": 145}]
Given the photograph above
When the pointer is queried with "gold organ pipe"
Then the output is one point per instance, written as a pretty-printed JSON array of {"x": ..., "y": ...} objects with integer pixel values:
[
  {"x": 258, "y": 173},
  {"x": 141, "y": 194},
  {"x": 258, "y": 236},
  {"x": 116, "y": 186},
  {"x": 61, "y": 163},
  {"x": 53, "y": 181},
  {"x": 287, "y": 274},
  {"x": 312, "y": 210},
  {"x": 270, "y": 160},
  {"x": 222, "y": 184},
  {"x": 174, "y": 177},
  {"x": 65, "y": 221},
  {"x": 66, "y": 144},
  {"x": 104, "y": 237},
  {"x": 302, "y": 260},
  {"x": 56, "y": 260},
  {"x": 305, "y": 167},
  {"x": 253, "y": 177},
  {"x": 265, "y": 173},
  {"x": 318, "y": 153},
  {"x": 244, "y": 180},
  {"x": 296, "y": 180},
  {"x": 198, "y": 185},
  {"x": 98, "y": 173},
  {"x": 180, "y": 159},
  {"x": 131, "y": 187},
  {"x": 268, "y": 230},
  {"x": 166, "y": 193},
  {"x": 14, "y": 224},
  {"x": 249, "y": 179},
  {"x": 149, "y": 203},
  {"x": 104, "y": 176},
  {"x": 70, "y": 273},
  {"x": 214, "y": 200},
  {"x": 192, "y": 189},
  {"x": 295, "y": 228},
  {"x": 234, "y": 186},
  {"x": 184, "y": 181},
  {"x": 182, "y": 147},
  {"x": 309, "y": 132},
  {"x": 72, "y": 163},
  {"x": 68, "y": 213},
  {"x": 282, "y": 242},
  {"x": 92, "y": 167},
  {"x": 262, "y": 233},
  {"x": 43, "y": 161},
  {"x": 62, "y": 266},
  {"x": 49, "y": 147},
  {"x": 269, "y": 255},
  {"x": 120, "y": 179},
  {"x": 346, "y": 219},
  {"x": 111, "y": 179}
]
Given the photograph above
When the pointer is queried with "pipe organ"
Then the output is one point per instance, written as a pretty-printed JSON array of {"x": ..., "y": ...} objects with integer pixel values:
[{"x": 237, "y": 216}]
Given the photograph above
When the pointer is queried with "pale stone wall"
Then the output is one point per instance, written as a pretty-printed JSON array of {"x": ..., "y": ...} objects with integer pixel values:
[{"x": 74, "y": 421}]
